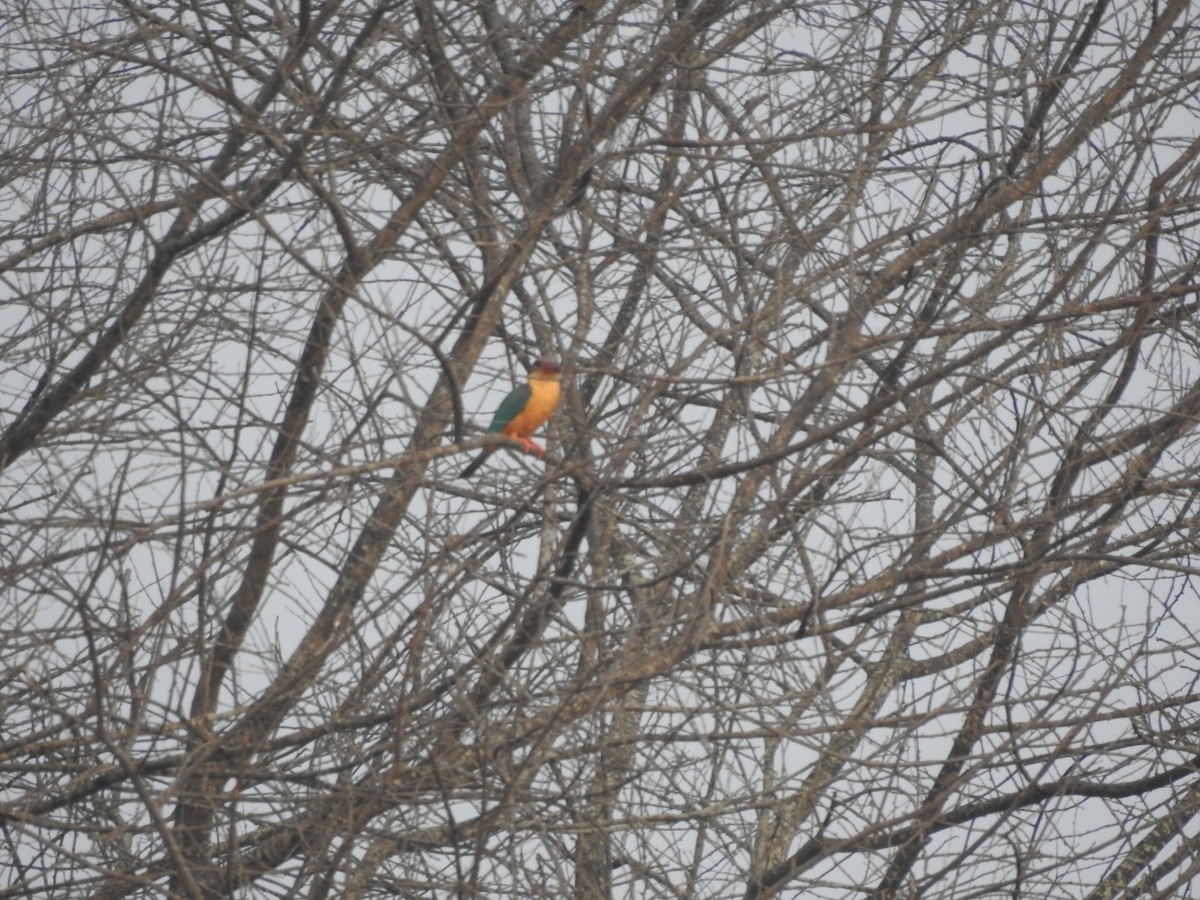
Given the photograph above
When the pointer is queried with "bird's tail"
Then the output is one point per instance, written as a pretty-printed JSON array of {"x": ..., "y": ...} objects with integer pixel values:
[{"x": 475, "y": 464}]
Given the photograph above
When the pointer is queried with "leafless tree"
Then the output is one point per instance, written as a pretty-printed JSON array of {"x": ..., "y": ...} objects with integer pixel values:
[{"x": 859, "y": 564}]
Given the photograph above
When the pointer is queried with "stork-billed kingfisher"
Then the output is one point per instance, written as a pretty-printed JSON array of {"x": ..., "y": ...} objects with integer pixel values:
[{"x": 524, "y": 410}]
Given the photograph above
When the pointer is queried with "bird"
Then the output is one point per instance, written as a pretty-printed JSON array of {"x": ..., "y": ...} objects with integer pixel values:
[{"x": 524, "y": 410}]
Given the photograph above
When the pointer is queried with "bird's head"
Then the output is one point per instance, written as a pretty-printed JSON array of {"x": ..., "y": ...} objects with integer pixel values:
[{"x": 546, "y": 370}]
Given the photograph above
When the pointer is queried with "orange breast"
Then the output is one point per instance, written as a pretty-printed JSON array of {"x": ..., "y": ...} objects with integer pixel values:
[{"x": 543, "y": 399}]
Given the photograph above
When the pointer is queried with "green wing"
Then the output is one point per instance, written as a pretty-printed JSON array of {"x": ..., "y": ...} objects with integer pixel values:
[{"x": 513, "y": 404}]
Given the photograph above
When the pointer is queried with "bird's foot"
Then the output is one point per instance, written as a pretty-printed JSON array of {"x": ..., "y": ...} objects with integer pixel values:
[{"x": 532, "y": 446}]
